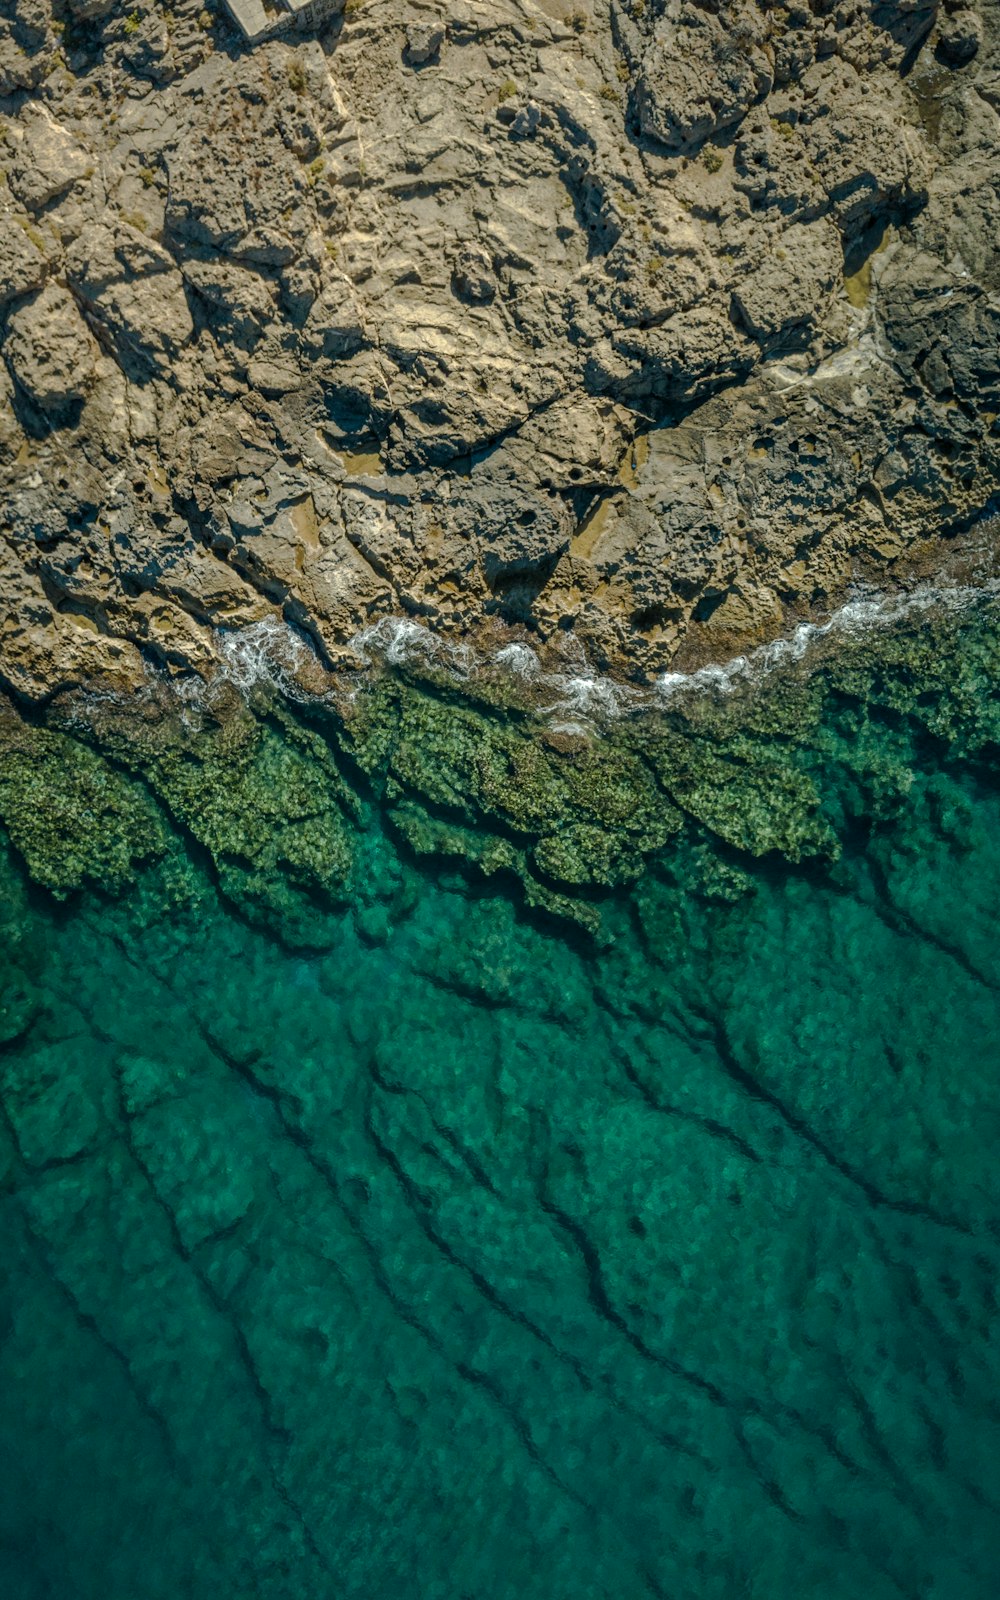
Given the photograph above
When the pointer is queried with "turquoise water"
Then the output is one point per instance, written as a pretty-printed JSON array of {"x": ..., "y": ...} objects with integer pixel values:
[{"x": 452, "y": 1254}]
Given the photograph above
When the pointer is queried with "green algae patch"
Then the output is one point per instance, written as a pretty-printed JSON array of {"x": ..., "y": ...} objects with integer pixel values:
[
  {"x": 75, "y": 820},
  {"x": 745, "y": 797},
  {"x": 255, "y": 790},
  {"x": 280, "y": 797},
  {"x": 500, "y": 794}
]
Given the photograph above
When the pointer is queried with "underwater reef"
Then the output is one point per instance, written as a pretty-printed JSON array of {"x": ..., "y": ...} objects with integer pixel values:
[{"x": 446, "y": 1151}]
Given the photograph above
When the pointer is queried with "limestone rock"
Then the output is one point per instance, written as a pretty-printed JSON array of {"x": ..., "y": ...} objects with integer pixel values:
[
  {"x": 703, "y": 69},
  {"x": 49, "y": 350},
  {"x": 423, "y": 41},
  {"x": 132, "y": 288},
  {"x": 23, "y": 264},
  {"x": 48, "y": 159},
  {"x": 657, "y": 325}
]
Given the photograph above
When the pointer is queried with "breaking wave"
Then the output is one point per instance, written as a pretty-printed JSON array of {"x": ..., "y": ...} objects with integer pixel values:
[
  {"x": 856, "y": 618},
  {"x": 266, "y": 654},
  {"x": 271, "y": 655},
  {"x": 584, "y": 696}
]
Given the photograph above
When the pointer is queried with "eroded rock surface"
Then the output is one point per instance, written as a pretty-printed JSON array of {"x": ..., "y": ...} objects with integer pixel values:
[{"x": 656, "y": 321}]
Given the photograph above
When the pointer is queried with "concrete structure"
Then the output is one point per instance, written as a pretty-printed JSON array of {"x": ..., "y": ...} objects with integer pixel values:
[{"x": 260, "y": 19}]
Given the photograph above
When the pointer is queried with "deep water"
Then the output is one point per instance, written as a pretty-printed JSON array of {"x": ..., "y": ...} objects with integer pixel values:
[{"x": 451, "y": 1254}]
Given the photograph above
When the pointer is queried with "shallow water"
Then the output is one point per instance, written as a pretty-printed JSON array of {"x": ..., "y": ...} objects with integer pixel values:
[{"x": 449, "y": 1254}]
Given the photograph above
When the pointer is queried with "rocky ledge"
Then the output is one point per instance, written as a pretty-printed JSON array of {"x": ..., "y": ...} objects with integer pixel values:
[{"x": 657, "y": 322}]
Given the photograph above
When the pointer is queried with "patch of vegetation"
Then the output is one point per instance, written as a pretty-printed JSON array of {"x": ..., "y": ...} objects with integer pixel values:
[
  {"x": 148, "y": 177},
  {"x": 507, "y": 90},
  {"x": 133, "y": 22},
  {"x": 29, "y": 228},
  {"x": 296, "y": 76},
  {"x": 712, "y": 158}
]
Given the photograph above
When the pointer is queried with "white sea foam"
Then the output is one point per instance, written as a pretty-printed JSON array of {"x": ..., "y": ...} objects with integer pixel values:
[
  {"x": 857, "y": 617},
  {"x": 573, "y": 698},
  {"x": 265, "y": 654},
  {"x": 576, "y": 698},
  {"x": 398, "y": 641},
  {"x": 519, "y": 660}
]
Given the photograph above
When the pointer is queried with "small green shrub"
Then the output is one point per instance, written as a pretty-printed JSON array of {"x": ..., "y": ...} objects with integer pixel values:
[{"x": 29, "y": 228}]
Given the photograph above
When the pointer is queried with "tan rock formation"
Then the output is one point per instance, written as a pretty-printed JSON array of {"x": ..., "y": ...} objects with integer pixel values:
[{"x": 656, "y": 320}]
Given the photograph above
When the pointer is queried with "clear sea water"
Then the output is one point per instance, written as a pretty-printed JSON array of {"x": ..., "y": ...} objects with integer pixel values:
[{"x": 458, "y": 1256}]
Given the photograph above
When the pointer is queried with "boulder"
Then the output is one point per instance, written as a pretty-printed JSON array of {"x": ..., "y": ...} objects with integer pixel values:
[
  {"x": 701, "y": 72},
  {"x": 48, "y": 159},
  {"x": 959, "y": 37},
  {"x": 23, "y": 264},
  {"x": 868, "y": 160},
  {"x": 131, "y": 286},
  {"x": 423, "y": 41},
  {"x": 49, "y": 350},
  {"x": 238, "y": 302},
  {"x": 791, "y": 286},
  {"x": 473, "y": 276},
  {"x": 26, "y": 44}
]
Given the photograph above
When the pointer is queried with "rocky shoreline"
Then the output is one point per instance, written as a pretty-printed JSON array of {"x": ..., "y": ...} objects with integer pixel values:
[
  {"x": 657, "y": 324},
  {"x": 564, "y": 789}
]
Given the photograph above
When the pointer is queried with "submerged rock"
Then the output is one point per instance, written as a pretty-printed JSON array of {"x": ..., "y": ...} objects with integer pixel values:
[{"x": 777, "y": 762}]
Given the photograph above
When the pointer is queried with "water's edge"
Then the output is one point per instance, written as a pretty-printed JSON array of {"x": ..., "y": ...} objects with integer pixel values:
[{"x": 565, "y": 782}]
